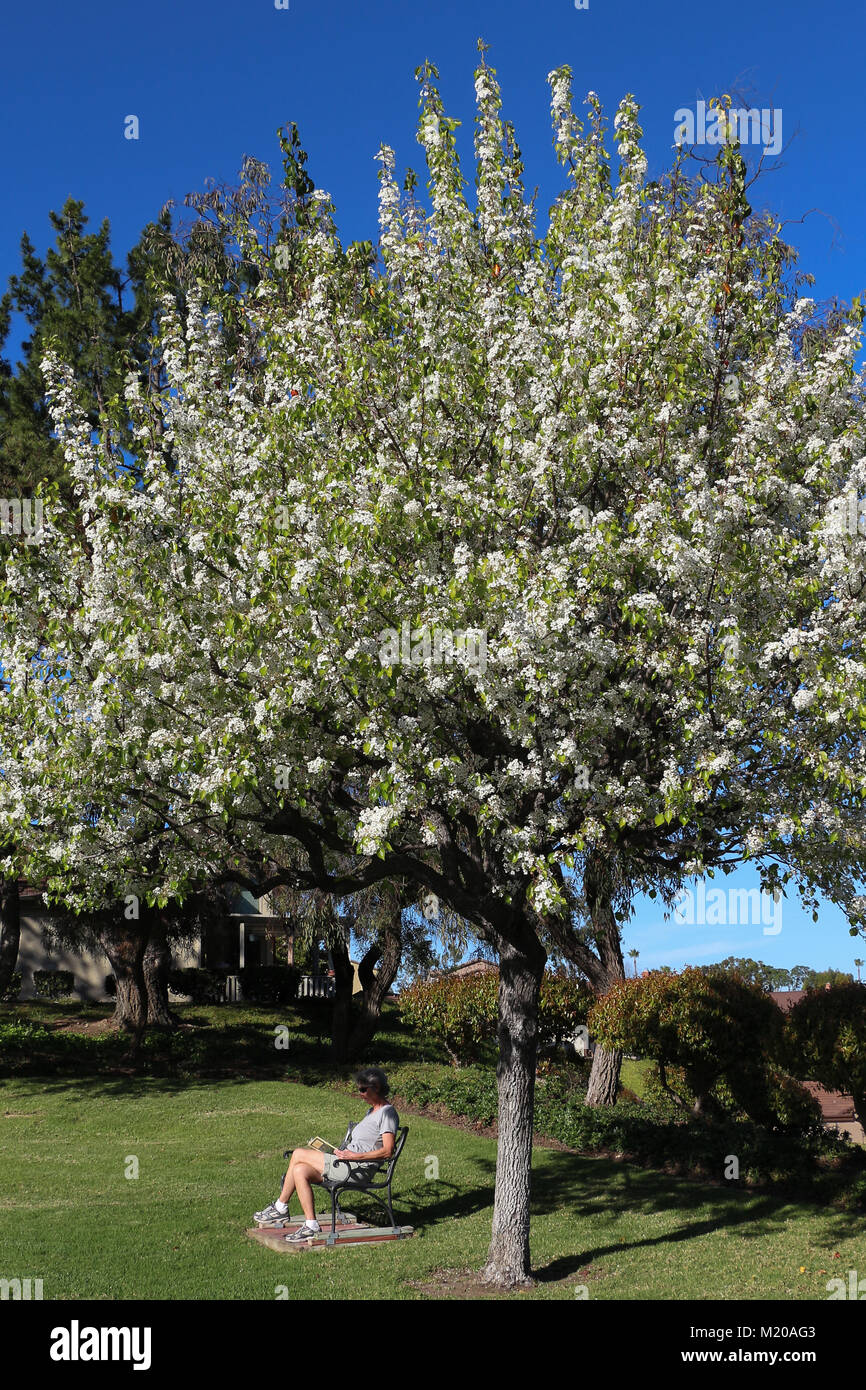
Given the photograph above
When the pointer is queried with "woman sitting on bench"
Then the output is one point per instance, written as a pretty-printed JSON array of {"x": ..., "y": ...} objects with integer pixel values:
[{"x": 372, "y": 1141}]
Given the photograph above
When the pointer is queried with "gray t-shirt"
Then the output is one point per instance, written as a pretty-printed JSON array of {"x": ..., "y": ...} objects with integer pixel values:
[{"x": 367, "y": 1134}]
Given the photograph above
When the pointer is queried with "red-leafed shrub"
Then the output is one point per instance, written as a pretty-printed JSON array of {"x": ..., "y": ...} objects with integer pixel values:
[
  {"x": 463, "y": 1013},
  {"x": 717, "y": 1043}
]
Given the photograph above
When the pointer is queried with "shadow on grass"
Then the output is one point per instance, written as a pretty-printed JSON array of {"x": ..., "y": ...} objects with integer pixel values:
[
  {"x": 600, "y": 1190},
  {"x": 214, "y": 1041}
]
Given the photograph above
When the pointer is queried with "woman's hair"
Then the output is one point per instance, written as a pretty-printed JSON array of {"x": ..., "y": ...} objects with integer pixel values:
[{"x": 372, "y": 1076}]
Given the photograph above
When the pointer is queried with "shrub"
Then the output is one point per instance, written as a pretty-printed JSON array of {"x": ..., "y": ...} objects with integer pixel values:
[
  {"x": 464, "y": 1013},
  {"x": 764, "y": 1094},
  {"x": 461, "y": 1013},
  {"x": 650, "y": 1134},
  {"x": 825, "y": 1036},
  {"x": 203, "y": 986},
  {"x": 270, "y": 984},
  {"x": 18, "y": 1035},
  {"x": 563, "y": 1005},
  {"x": 13, "y": 989},
  {"x": 471, "y": 1092},
  {"x": 716, "y": 1042},
  {"x": 53, "y": 984}
]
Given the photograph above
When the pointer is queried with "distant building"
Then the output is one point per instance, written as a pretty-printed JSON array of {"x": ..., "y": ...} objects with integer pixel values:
[
  {"x": 837, "y": 1108},
  {"x": 242, "y": 938},
  {"x": 787, "y": 998},
  {"x": 476, "y": 966}
]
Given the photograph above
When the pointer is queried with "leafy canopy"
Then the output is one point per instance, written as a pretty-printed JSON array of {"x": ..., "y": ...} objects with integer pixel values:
[{"x": 608, "y": 453}]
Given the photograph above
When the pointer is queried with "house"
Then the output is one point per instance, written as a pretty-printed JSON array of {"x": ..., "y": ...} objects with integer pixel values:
[
  {"x": 837, "y": 1111},
  {"x": 476, "y": 966},
  {"x": 244, "y": 937},
  {"x": 837, "y": 1108}
]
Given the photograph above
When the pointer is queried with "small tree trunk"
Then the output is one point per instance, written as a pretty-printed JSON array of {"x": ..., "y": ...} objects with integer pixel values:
[
  {"x": 663, "y": 1079},
  {"x": 604, "y": 1076},
  {"x": 520, "y": 973},
  {"x": 388, "y": 952},
  {"x": 700, "y": 1082},
  {"x": 10, "y": 930},
  {"x": 705, "y": 1108},
  {"x": 341, "y": 1019},
  {"x": 155, "y": 966},
  {"x": 125, "y": 944}
]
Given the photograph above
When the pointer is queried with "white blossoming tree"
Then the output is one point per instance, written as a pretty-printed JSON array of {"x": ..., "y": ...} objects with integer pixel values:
[{"x": 513, "y": 559}]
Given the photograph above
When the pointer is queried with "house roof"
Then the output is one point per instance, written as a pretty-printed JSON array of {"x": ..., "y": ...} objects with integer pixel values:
[
  {"x": 476, "y": 966},
  {"x": 786, "y": 998},
  {"x": 29, "y": 892},
  {"x": 241, "y": 904},
  {"x": 836, "y": 1106}
]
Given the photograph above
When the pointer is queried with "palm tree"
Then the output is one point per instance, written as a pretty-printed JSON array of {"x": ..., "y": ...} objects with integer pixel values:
[
  {"x": 858, "y": 963},
  {"x": 634, "y": 955}
]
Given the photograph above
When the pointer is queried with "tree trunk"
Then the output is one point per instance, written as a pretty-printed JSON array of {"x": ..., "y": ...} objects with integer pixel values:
[
  {"x": 125, "y": 944},
  {"x": 341, "y": 1019},
  {"x": 388, "y": 952},
  {"x": 520, "y": 973},
  {"x": 668, "y": 1090},
  {"x": 859, "y": 1098},
  {"x": 604, "y": 1076},
  {"x": 10, "y": 930},
  {"x": 155, "y": 966}
]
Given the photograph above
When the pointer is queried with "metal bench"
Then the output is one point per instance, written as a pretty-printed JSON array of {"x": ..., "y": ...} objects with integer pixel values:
[{"x": 377, "y": 1181}]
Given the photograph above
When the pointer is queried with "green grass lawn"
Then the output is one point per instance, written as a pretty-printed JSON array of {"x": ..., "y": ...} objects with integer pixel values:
[
  {"x": 224, "y": 1038},
  {"x": 210, "y": 1153},
  {"x": 633, "y": 1076}
]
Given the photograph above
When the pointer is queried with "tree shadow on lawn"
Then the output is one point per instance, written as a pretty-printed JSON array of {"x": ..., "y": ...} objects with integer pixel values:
[
  {"x": 462, "y": 1202},
  {"x": 242, "y": 1051},
  {"x": 240, "y": 1055},
  {"x": 137, "y": 1085},
  {"x": 601, "y": 1190}
]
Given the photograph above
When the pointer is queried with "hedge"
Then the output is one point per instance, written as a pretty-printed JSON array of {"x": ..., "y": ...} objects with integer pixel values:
[
  {"x": 464, "y": 1013},
  {"x": 54, "y": 984},
  {"x": 270, "y": 984},
  {"x": 13, "y": 989}
]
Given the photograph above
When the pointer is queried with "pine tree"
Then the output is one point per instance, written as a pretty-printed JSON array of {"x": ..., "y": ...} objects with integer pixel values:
[{"x": 77, "y": 298}]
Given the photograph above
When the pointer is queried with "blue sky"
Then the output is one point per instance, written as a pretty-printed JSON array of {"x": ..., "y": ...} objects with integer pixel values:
[
  {"x": 212, "y": 81},
  {"x": 781, "y": 934}
]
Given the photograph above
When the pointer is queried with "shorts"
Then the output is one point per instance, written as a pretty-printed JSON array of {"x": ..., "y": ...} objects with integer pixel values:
[{"x": 344, "y": 1170}]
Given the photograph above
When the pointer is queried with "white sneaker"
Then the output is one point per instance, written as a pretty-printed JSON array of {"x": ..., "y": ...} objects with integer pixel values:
[
  {"x": 305, "y": 1232},
  {"x": 270, "y": 1216}
]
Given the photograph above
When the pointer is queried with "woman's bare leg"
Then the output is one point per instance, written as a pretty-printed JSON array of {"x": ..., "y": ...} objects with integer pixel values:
[
  {"x": 304, "y": 1176},
  {"x": 312, "y": 1161}
]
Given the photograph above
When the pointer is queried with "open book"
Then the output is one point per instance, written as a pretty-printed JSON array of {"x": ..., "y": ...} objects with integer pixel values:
[{"x": 322, "y": 1145}]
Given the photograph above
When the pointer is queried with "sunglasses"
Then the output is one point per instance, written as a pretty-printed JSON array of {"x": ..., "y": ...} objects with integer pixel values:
[{"x": 362, "y": 1089}]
